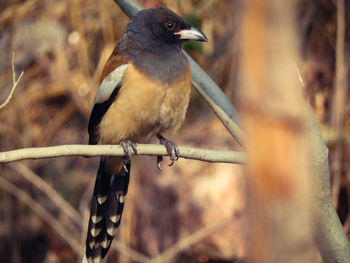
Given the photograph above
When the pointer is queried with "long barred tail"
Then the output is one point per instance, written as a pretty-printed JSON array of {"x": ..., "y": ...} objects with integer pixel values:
[{"x": 106, "y": 210}]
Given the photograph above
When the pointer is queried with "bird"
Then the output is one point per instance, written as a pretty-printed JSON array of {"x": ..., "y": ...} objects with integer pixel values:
[{"x": 144, "y": 91}]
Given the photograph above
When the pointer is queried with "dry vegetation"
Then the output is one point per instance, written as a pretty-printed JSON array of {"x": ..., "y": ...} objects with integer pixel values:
[{"x": 62, "y": 46}]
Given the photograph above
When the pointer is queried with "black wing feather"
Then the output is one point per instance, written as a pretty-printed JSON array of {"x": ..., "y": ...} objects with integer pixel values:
[{"x": 97, "y": 113}]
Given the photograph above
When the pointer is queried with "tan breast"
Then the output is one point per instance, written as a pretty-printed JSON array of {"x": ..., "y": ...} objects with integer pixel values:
[{"x": 144, "y": 107}]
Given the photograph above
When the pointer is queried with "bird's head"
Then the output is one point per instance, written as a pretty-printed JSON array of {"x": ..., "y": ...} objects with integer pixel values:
[{"x": 163, "y": 26}]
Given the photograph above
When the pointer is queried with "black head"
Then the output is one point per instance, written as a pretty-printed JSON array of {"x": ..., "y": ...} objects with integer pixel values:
[{"x": 161, "y": 26}]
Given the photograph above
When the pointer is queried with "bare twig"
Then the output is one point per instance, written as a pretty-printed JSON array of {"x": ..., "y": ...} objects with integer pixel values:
[
  {"x": 117, "y": 150},
  {"x": 52, "y": 221},
  {"x": 339, "y": 99},
  {"x": 51, "y": 193},
  {"x": 14, "y": 82},
  {"x": 190, "y": 240},
  {"x": 132, "y": 254},
  {"x": 340, "y": 87},
  {"x": 44, "y": 214}
]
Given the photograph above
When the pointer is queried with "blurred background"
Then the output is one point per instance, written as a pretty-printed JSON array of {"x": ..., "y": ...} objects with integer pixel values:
[{"x": 62, "y": 45}]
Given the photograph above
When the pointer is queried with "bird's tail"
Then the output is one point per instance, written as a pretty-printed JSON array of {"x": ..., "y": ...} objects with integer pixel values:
[{"x": 107, "y": 205}]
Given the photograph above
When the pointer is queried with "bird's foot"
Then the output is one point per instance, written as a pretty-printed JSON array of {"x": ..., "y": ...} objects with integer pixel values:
[
  {"x": 172, "y": 149},
  {"x": 159, "y": 160},
  {"x": 128, "y": 146}
]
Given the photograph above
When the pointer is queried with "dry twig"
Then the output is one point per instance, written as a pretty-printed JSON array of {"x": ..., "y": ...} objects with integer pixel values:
[
  {"x": 50, "y": 192},
  {"x": 339, "y": 100},
  {"x": 43, "y": 213},
  {"x": 14, "y": 82},
  {"x": 190, "y": 240},
  {"x": 60, "y": 228}
]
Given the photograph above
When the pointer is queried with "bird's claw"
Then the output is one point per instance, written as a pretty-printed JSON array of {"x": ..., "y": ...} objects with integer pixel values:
[
  {"x": 159, "y": 160},
  {"x": 128, "y": 146},
  {"x": 126, "y": 162},
  {"x": 172, "y": 149}
]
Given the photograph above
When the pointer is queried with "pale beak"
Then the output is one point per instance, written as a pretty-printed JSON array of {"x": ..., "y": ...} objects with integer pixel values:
[{"x": 192, "y": 34}]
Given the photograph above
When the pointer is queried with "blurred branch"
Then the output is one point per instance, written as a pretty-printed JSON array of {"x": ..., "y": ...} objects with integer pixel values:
[
  {"x": 330, "y": 238},
  {"x": 14, "y": 82},
  {"x": 339, "y": 100},
  {"x": 133, "y": 254},
  {"x": 44, "y": 214},
  {"x": 190, "y": 240},
  {"x": 331, "y": 137},
  {"x": 278, "y": 171},
  {"x": 230, "y": 125},
  {"x": 117, "y": 150},
  {"x": 205, "y": 85},
  {"x": 58, "y": 226},
  {"x": 17, "y": 10},
  {"x": 338, "y": 103},
  {"x": 48, "y": 190}
]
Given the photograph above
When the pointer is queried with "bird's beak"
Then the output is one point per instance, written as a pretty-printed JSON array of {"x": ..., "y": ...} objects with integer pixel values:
[{"x": 192, "y": 34}]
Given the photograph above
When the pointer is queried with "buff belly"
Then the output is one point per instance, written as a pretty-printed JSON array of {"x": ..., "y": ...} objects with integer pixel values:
[{"x": 139, "y": 112}]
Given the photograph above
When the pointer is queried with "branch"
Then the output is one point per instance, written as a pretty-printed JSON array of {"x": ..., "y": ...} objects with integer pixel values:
[
  {"x": 52, "y": 221},
  {"x": 338, "y": 102},
  {"x": 230, "y": 125},
  {"x": 190, "y": 240},
  {"x": 129, "y": 7},
  {"x": 14, "y": 82},
  {"x": 49, "y": 191},
  {"x": 205, "y": 85},
  {"x": 330, "y": 238},
  {"x": 61, "y": 228},
  {"x": 117, "y": 150}
]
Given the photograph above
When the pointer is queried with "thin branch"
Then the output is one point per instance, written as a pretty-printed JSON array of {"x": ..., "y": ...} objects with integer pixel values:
[
  {"x": 117, "y": 150},
  {"x": 230, "y": 125},
  {"x": 338, "y": 101},
  {"x": 209, "y": 87},
  {"x": 14, "y": 82},
  {"x": 131, "y": 253},
  {"x": 190, "y": 240},
  {"x": 60, "y": 228},
  {"x": 44, "y": 214},
  {"x": 49, "y": 191}
]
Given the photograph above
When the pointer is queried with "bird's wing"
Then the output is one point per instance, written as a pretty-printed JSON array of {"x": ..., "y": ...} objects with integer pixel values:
[{"x": 105, "y": 95}]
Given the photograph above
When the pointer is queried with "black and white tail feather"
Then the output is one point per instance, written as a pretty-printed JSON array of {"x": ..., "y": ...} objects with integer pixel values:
[
  {"x": 106, "y": 211},
  {"x": 110, "y": 189}
]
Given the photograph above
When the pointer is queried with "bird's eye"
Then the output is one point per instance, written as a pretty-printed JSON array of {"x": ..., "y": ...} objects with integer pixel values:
[{"x": 170, "y": 25}]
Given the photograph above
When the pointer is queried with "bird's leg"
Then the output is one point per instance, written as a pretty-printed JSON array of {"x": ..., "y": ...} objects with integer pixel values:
[
  {"x": 127, "y": 147},
  {"x": 172, "y": 149}
]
